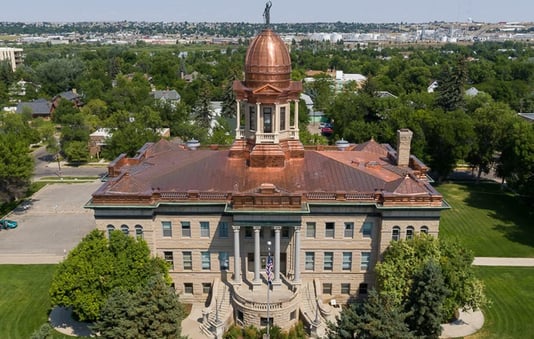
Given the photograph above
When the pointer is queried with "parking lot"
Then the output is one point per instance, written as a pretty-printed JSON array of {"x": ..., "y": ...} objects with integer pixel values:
[{"x": 52, "y": 224}]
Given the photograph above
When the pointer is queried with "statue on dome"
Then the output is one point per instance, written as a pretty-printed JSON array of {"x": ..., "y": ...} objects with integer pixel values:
[{"x": 267, "y": 12}]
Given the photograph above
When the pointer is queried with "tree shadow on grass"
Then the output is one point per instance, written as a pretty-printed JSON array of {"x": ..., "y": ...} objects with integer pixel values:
[{"x": 511, "y": 210}]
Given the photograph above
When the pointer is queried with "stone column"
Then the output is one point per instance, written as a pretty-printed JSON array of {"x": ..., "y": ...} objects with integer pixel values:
[
  {"x": 296, "y": 116},
  {"x": 238, "y": 114},
  {"x": 276, "y": 280},
  {"x": 237, "y": 256},
  {"x": 257, "y": 278},
  {"x": 257, "y": 127},
  {"x": 296, "y": 277}
]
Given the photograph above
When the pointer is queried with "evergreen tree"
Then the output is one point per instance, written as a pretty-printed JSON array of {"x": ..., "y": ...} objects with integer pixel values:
[
  {"x": 425, "y": 301},
  {"x": 451, "y": 86},
  {"x": 151, "y": 312},
  {"x": 202, "y": 112},
  {"x": 378, "y": 317}
]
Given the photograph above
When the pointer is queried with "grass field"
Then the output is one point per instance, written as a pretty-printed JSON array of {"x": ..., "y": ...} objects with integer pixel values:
[
  {"x": 490, "y": 222},
  {"x": 24, "y": 301},
  {"x": 511, "y": 313}
]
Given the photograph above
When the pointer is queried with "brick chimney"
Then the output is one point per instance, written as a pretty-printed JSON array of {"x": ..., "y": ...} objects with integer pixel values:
[{"x": 404, "y": 139}]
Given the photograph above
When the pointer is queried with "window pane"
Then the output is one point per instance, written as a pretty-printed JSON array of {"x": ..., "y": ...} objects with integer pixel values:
[
  {"x": 188, "y": 260},
  {"x": 125, "y": 229},
  {"x": 186, "y": 229},
  {"x": 206, "y": 264},
  {"x": 188, "y": 288},
  {"x": 206, "y": 287},
  {"x": 223, "y": 260},
  {"x": 169, "y": 258},
  {"x": 328, "y": 261},
  {"x": 223, "y": 229},
  {"x": 362, "y": 289},
  {"x": 204, "y": 229},
  {"x": 409, "y": 232},
  {"x": 345, "y": 288},
  {"x": 310, "y": 261},
  {"x": 367, "y": 229},
  {"x": 139, "y": 231},
  {"x": 347, "y": 261},
  {"x": 310, "y": 230},
  {"x": 327, "y": 288},
  {"x": 329, "y": 230},
  {"x": 364, "y": 261},
  {"x": 349, "y": 227},
  {"x": 424, "y": 229},
  {"x": 110, "y": 228},
  {"x": 395, "y": 235},
  {"x": 167, "y": 228}
]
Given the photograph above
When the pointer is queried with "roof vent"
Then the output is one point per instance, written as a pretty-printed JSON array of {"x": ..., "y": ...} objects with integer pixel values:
[
  {"x": 193, "y": 144},
  {"x": 342, "y": 144}
]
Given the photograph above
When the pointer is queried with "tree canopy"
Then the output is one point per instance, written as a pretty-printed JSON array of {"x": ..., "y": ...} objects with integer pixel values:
[{"x": 97, "y": 266}]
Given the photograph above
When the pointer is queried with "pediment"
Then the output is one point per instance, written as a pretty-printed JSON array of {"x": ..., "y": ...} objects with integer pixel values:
[{"x": 267, "y": 89}]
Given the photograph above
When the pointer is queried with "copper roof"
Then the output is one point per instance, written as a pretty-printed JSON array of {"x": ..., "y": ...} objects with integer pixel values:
[
  {"x": 267, "y": 61},
  {"x": 166, "y": 168}
]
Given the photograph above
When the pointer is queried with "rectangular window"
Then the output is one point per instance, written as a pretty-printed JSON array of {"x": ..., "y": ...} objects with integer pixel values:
[
  {"x": 293, "y": 315},
  {"x": 328, "y": 261},
  {"x": 362, "y": 289},
  {"x": 327, "y": 288},
  {"x": 167, "y": 228},
  {"x": 349, "y": 230},
  {"x": 169, "y": 259},
  {"x": 252, "y": 118},
  {"x": 186, "y": 229},
  {"x": 206, "y": 287},
  {"x": 282, "y": 118},
  {"x": 285, "y": 232},
  {"x": 188, "y": 288},
  {"x": 224, "y": 263},
  {"x": 206, "y": 261},
  {"x": 367, "y": 229},
  {"x": 347, "y": 261},
  {"x": 345, "y": 288},
  {"x": 310, "y": 261},
  {"x": 364, "y": 261},
  {"x": 187, "y": 260},
  {"x": 310, "y": 230},
  {"x": 329, "y": 230},
  {"x": 223, "y": 229},
  {"x": 248, "y": 232},
  {"x": 204, "y": 229}
]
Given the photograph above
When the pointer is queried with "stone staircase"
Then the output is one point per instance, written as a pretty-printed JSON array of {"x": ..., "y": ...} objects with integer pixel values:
[
  {"x": 310, "y": 310},
  {"x": 220, "y": 309}
]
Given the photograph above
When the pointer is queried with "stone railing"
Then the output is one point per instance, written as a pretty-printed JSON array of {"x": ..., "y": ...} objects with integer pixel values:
[{"x": 268, "y": 138}]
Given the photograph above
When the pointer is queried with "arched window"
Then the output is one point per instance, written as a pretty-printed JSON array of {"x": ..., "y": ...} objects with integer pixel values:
[
  {"x": 424, "y": 229},
  {"x": 125, "y": 229},
  {"x": 395, "y": 233},
  {"x": 139, "y": 231},
  {"x": 110, "y": 229},
  {"x": 409, "y": 232}
]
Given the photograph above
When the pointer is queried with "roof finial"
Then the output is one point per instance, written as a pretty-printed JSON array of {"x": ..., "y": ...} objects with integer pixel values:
[{"x": 267, "y": 13}]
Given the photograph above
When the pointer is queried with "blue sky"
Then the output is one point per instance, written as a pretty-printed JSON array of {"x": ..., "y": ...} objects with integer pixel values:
[{"x": 282, "y": 11}]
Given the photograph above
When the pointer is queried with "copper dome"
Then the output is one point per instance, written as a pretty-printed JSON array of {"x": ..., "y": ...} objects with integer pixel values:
[{"x": 267, "y": 61}]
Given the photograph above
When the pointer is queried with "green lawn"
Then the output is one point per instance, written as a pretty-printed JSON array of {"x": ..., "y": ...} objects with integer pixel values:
[
  {"x": 511, "y": 313},
  {"x": 487, "y": 220},
  {"x": 24, "y": 301}
]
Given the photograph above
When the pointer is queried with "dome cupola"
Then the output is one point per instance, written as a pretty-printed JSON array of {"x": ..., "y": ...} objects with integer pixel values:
[{"x": 267, "y": 61}]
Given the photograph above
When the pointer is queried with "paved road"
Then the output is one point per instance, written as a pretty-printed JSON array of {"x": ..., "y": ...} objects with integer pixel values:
[
  {"x": 46, "y": 166},
  {"x": 54, "y": 224}
]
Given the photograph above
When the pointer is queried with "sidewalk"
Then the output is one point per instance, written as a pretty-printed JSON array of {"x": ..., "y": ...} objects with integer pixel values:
[
  {"x": 494, "y": 261},
  {"x": 469, "y": 322}
]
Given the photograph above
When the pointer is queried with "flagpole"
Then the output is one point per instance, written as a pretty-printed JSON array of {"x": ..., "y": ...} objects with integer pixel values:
[{"x": 269, "y": 260}]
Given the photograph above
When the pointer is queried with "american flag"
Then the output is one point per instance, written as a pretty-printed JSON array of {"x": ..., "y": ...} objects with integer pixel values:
[{"x": 269, "y": 269}]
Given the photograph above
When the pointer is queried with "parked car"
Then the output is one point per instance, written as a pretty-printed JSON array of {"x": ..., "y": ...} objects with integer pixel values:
[
  {"x": 327, "y": 130},
  {"x": 7, "y": 224}
]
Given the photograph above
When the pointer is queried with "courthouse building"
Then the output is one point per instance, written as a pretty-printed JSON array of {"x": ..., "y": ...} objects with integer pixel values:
[{"x": 324, "y": 214}]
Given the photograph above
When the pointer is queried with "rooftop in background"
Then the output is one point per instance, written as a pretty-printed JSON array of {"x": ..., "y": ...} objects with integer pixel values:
[{"x": 527, "y": 116}]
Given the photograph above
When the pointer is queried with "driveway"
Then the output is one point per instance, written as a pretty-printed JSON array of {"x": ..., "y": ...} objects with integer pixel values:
[{"x": 51, "y": 226}]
